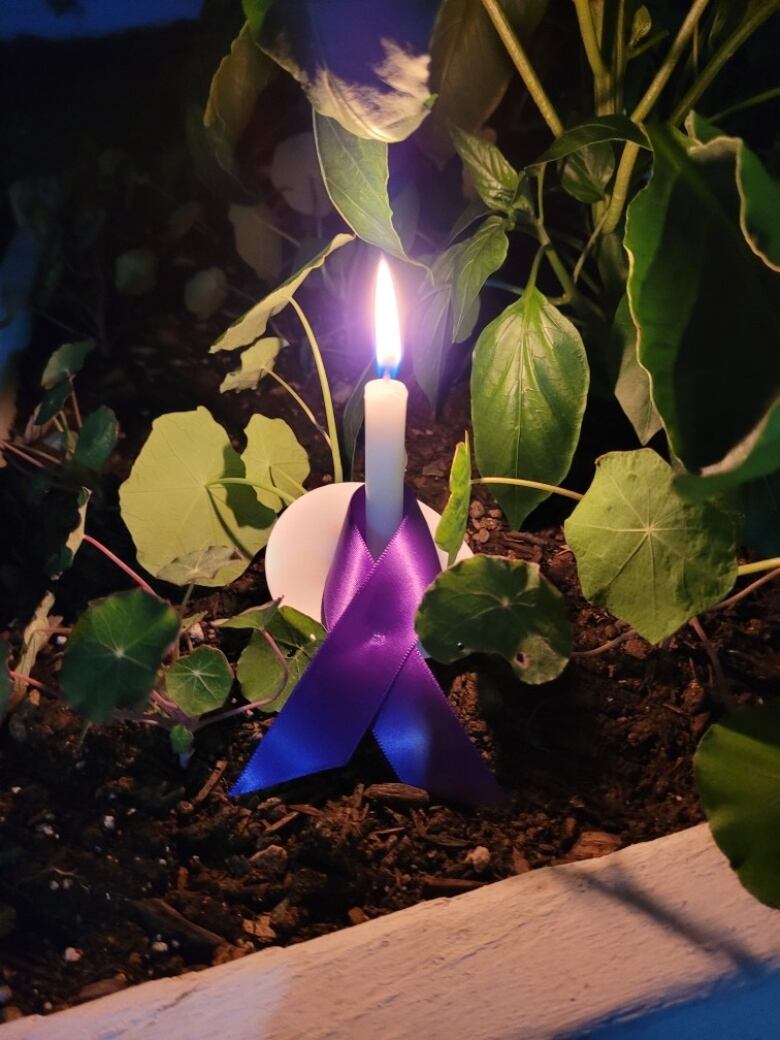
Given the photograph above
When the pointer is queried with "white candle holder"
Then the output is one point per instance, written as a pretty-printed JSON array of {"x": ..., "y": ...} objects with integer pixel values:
[{"x": 303, "y": 543}]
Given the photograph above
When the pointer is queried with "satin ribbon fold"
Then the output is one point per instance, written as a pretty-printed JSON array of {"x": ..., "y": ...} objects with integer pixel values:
[{"x": 369, "y": 674}]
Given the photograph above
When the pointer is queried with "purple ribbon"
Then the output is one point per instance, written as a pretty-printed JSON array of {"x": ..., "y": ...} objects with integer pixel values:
[{"x": 370, "y": 674}]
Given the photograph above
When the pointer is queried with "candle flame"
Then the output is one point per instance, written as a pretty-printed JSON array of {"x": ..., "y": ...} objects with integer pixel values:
[{"x": 386, "y": 324}]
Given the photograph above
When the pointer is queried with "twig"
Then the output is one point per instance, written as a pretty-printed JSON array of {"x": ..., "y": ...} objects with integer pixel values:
[
  {"x": 29, "y": 681},
  {"x": 605, "y": 646},
  {"x": 720, "y": 678}
]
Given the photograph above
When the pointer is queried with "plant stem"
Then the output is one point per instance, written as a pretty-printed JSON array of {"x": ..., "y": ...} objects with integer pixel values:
[
  {"x": 753, "y": 587},
  {"x": 338, "y": 473},
  {"x": 756, "y": 99},
  {"x": 645, "y": 45},
  {"x": 758, "y": 566},
  {"x": 757, "y": 14},
  {"x": 7, "y": 446},
  {"x": 619, "y": 57},
  {"x": 605, "y": 647},
  {"x": 516, "y": 482},
  {"x": 76, "y": 410},
  {"x": 28, "y": 681},
  {"x": 243, "y": 482},
  {"x": 521, "y": 62},
  {"x": 301, "y": 403},
  {"x": 121, "y": 565},
  {"x": 186, "y": 599},
  {"x": 631, "y": 151},
  {"x": 563, "y": 276},
  {"x": 242, "y": 709},
  {"x": 601, "y": 75}
]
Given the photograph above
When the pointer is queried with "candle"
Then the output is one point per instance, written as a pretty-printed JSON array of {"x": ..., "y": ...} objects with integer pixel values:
[{"x": 385, "y": 418}]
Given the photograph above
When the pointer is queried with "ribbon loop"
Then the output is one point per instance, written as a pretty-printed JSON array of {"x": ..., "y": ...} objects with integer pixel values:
[{"x": 370, "y": 674}]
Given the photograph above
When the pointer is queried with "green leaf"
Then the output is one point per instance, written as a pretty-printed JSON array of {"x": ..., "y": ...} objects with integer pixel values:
[
  {"x": 595, "y": 131},
  {"x": 174, "y": 505},
  {"x": 470, "y": 68},
  {"x": 240, "y": 78},
  {"x": 258, "y": 243},
  {"x": 65, "y": 362},
  {"x": 256, "y": 362},
  {"x": 53, "y": 401},
  {"x": 373, "y": 82},
  {"x": 205, "y": 292},
  {"x": 586, "y": 173},
  {"x": 199, "y": 567},
  {"x": 352, "y": 416},
  {"x": 757, "y": 456},
  {"x": 472, "y": 262},
  {"x": 431, "y": 339},
  {"x": 251, "y": 326},
  {"x": 452, "y": 526},
  {"x": 114, "y": 653},
  {"x": 759, "y": 191},
  {"x": 96, "y": 440},
  {"x": 5, "y": 678},
  {"x": 182, "y": 740},
  {"x": 274, "y": 456},
  {"x": 645, "y": 554},
  {"x": 61, "y": 560},
  {"x": 641, "y": 24},
  {"x": 299, "y": 637},
  {"x": 356, "y": 174},
  {"x": 199, "y": 682},
  {"x": 738, "y": 775},
  {"x": 529, "y": 384},
  {"x": 706, "y": 306},
  {"x": 135, "y": 272},
  {"x": 632, "y": 386},
  {"x": 495, "y": 179},
  {"x": 491, "y": 605},
  {"x": 255, "y": 618}
]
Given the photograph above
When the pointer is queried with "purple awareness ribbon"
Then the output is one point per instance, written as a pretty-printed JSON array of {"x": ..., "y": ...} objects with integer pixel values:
[{"x": 369, "y": 674}]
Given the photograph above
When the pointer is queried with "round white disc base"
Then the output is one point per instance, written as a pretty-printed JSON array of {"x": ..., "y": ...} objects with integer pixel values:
[{"x": 303, "y": 542}]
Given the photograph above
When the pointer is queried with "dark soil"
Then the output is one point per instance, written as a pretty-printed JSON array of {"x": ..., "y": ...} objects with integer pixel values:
[{"x": 120, "y": 866}]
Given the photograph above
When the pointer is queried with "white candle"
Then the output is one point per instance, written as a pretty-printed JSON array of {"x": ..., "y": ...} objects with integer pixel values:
[{"x": 385, "y": 418}]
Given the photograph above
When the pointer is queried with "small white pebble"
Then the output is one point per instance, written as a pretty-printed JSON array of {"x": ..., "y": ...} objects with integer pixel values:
[
  {"x": 47, "y": 829},
  {"x": 478, "y": 858},
  {"x": 159, "y": 947},
  {"x": 5, "y": 994},
  {"x": 60, "y": 640},
  {"x": 54, "y": 885},
  {"x": 48, "y": 1006},
  {"x": 15, "y": 790},
  {"x": 109, "y": 823},
  {"x": 72, "y": 955}
]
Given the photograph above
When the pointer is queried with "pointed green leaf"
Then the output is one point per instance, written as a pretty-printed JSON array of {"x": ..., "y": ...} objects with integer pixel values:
[
  {"x": 96, "y": 440},
  {"x": 275, "y": 457},
  {"x": 472, "y": 262},
  {"x": 759, "y": 191},
  {"x": 53, "y": 401},
  {"x": 255, "y": 618},
  {"x": 495, "y": 179},
  {"x": 65, "y": 362},
  {"x": 632, "y": 387},
  {"x": 595, "y": 131},
  {"x": 738, "y": 775},
  {"x": 173, "y": 502},
  {"x": 114, "y": 653},
  {"x": 199, "y": 567},
  {"x": 365, "y": 67},
  {"x": 356, "y": 173},
  {"x": 199, "y": 682},
  {"x": 703, "y": 325},
  {"x": 586, "y": 173},
  {"x": 757, "y": 456},
  {"x": 298, "y": 637},
  {"x": 431, "y": 338},
  {"x": 492, "y": 605},
  {"x": 452, "y": 526},
  {"x": 252, "y": 325},
  {"x": 529, "y": 384},
  {"x": 645, "y": 554},
  {"x": 352, "y": 416},
  {"x": 182, "y": 740},
  {"x": 256, "y": 362},
  {"x": 62, "y": 559}
]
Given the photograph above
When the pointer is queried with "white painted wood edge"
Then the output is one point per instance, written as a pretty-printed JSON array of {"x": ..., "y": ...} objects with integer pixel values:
[{"x": 542, "y": 955}]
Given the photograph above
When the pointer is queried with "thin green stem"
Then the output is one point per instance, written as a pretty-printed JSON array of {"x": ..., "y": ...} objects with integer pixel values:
[
  {"x": 269, "y": 488},
  {"x": 747, "y": 591},
  {"x": 555, "y": 262},
  {"x": 537, "y": 485},
  {"x": 602, "y": 77},
  {"x": 758, "y": 566},
  {"x": 631, "y": 151},
  {"x": 647, "y": 44},
  {"x": 619, "y": 57},
  {"x": 756, "y": 99},
  {"x": 757, "y": 14},
  {"x": 523, "y": 65},
  {"x": 532, "y": 274},
  {"x": 301, "y": 403},
  {"x": 338, "y": 473}
]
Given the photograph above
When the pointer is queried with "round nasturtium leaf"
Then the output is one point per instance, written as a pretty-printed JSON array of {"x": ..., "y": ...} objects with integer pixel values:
[
  {"x": 645, "y": 554},
  {"x": 491, "y": 605},
  {"x": 274, "y": 457},
  {"x": 298, "y": 637},
  {"x": 114, "y": 653},
  {"x": 738, "y": 774},
  {"x": 200, "y": 681},
  {"x": 173, "y": 502}
]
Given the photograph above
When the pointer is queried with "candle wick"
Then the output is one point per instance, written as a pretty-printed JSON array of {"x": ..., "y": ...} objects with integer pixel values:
[{"x": 386, "y": 374}]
